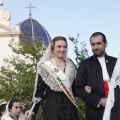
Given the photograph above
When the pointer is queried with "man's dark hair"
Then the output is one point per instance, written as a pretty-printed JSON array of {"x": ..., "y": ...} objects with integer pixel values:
[
  {"x": 99, "y": 33},
  {"x": 2, "y": 109}
]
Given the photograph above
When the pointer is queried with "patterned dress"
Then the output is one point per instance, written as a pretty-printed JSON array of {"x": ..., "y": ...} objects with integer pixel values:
[{"x": 55, "y": 105}]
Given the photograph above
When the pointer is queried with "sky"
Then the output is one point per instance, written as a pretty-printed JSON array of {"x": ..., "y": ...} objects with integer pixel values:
[{"x": 69, "y": 17}]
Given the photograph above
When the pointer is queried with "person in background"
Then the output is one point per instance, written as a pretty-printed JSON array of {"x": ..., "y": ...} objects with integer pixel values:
[
  {"x": 112, "y": 108},
  {"x": 2, "y": 109},
  {"x": 13, "y": 110},
  {"x": 93, "y": 77},
  {"x": 54, "y": 85}
]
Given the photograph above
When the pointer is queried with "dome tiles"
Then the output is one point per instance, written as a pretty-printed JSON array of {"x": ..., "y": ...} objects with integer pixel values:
[{"x": 32, "y": 30}]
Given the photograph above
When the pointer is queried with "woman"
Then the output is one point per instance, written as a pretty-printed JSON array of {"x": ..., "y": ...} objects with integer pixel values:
[
  {"x": 53, "y": 85},
  {"x": 13, "y": 110},
  {"x": 112, "y": 108}
]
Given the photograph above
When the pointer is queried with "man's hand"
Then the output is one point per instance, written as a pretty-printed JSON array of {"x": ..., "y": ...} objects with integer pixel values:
[
  {"x": 88, "y": 89},
  {"x": 103, "y": 102}
]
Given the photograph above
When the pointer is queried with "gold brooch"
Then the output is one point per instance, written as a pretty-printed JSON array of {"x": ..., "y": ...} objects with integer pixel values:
[
  {"x": 56, "y": 70},
  {"x": 106, "y": 61}
]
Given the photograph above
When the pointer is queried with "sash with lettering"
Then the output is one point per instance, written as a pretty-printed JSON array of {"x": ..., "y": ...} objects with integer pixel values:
[{"x": 60, "y": 78}]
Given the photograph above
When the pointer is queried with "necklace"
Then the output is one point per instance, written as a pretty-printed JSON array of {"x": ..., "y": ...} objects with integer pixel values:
[
  {"x": 63, "y": 69},
  {"x": 61, "y": 65}
]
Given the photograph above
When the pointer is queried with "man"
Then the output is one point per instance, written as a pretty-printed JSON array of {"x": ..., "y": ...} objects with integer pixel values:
[{"x": 93, "y": 76}]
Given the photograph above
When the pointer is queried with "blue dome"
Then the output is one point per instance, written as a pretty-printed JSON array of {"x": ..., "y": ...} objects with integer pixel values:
[{"x": 32, "y": 30}]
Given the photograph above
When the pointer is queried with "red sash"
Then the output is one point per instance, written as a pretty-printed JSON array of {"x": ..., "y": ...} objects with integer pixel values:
[{"x": 106, "y": 89}]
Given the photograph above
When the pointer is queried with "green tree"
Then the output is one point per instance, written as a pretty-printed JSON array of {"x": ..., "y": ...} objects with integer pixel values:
[
  {"x": 81, "y": 54},
  {"x": 18, "y": 73}
]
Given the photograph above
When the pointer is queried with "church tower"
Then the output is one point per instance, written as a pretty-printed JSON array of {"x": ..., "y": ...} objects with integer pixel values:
[
  {"x": 6, "y": 33},
  {"x": 30, "y": 29}
]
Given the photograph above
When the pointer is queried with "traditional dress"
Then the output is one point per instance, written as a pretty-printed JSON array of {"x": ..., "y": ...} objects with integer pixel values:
[
  {"x": 105, "y": 74},
  {"x": 7, "y": 115},
  {"x": 90, "y": 72},
  {"x": 53, "y": 90},
  {"x": 112, "y": 109},
  {"x": 55, "y": 103},
  {"x": 11, "y": 118}
]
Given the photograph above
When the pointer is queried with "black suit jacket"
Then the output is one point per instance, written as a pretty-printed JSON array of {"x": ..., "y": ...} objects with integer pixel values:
[{"x": 90, "y": 73}]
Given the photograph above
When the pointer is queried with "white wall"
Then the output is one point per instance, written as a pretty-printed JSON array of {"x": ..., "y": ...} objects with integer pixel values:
[{"x": 5, "y": 50}]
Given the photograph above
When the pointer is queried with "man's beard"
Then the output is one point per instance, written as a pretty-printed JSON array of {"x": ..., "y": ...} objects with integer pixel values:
[{"x": 101, "y": 53}]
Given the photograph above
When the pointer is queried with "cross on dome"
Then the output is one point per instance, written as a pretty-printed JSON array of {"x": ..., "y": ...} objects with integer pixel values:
[{"x": 30, "y": 8}]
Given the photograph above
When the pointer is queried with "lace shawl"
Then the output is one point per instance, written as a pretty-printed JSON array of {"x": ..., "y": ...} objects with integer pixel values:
[
  {"x": 70, "y": 72},
  {"x": 115, "y": 81}
]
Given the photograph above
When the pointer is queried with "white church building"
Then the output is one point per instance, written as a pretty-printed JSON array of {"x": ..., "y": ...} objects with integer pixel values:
[
  {"x": 6, "y": 33},
  {"x": 29, "y": 27}
]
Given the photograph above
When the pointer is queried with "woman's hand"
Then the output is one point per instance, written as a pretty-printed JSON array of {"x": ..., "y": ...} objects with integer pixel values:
[
  {"x": 88, "y": 89},
  {"x": 26, "y": 115}
]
